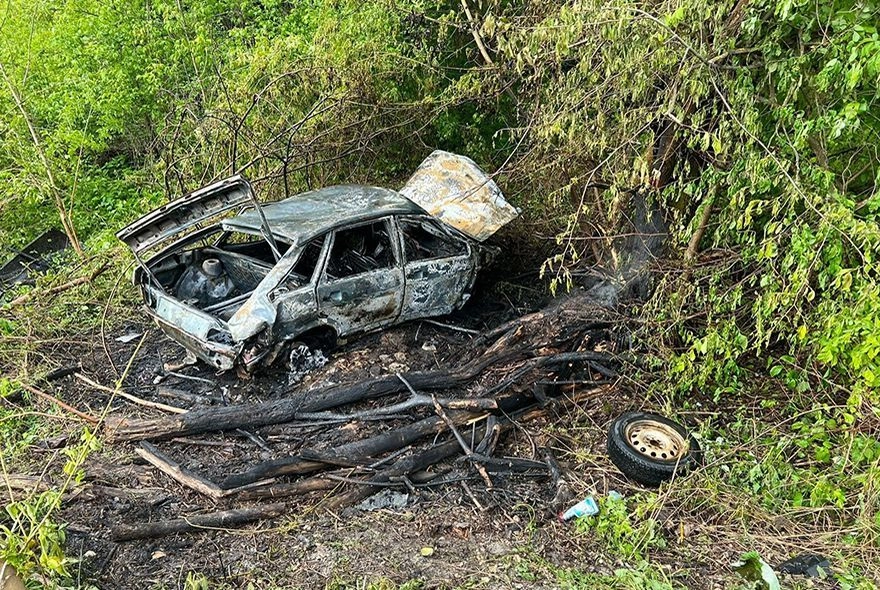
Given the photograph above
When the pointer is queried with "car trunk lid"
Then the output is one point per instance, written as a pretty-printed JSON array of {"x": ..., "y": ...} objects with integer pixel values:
[
  {"x": 453, "y": 189},
  {"x": 175, "y": 221}
]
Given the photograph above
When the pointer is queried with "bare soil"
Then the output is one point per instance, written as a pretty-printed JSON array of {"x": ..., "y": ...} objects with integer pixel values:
[
  {"x": 453, "y": 532},
  {"x": 475, "y": 536}
]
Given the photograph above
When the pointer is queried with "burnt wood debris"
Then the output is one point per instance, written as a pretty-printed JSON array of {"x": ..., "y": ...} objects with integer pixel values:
[{"x": 548, "y": 362}]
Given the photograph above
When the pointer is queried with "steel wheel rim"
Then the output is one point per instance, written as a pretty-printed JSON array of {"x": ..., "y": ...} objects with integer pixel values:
[{"x": 656, "y": 441}]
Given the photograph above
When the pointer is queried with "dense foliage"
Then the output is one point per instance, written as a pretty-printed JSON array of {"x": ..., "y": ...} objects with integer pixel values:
[{"x": 752, "y": 126}]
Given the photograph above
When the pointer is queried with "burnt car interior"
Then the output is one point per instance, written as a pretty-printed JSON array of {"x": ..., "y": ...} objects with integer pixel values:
[
  {"x": 302, "y": 271},
  {"x": 422, "y": 240},
  {"x": 360, "y": 249},
  {"x": 220, "y": 273}
]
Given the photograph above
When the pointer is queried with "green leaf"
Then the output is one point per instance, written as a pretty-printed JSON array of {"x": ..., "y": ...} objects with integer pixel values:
[
  {"x": 676, "y": 17},
  {"x": 753, "y": 568}
]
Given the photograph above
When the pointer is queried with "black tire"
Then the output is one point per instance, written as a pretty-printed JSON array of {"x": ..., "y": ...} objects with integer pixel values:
[{"x": 651, "y": 449}]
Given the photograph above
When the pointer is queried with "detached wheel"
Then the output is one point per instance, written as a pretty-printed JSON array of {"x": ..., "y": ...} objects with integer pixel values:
[{"x": 651, "y": 449}]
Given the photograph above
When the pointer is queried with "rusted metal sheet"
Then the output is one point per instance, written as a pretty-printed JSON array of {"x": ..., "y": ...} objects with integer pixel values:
[{"x": 453, "y": 189}]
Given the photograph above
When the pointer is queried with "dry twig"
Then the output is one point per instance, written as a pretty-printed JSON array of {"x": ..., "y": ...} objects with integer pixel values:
[
  {"x": 22, "y": 299},
  {"x": 132, "y": 398},
  {"x": 59, "y": 403}
]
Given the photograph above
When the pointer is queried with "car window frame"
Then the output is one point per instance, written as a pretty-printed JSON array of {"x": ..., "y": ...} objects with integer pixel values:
[
  {"x": 450, "y": 233},
  {"x": 319, "y": 264},
  {"x": 391, "y": 225},
  {"x": 284, "y": 288},
  {"x": 225, "y": 233}
]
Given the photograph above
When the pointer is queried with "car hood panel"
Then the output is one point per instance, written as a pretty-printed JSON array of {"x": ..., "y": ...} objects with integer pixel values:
[{"x": 453, "y": 189}]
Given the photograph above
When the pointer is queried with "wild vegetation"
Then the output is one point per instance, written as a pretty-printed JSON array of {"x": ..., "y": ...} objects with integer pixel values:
[{"x": 751, "y": 127}]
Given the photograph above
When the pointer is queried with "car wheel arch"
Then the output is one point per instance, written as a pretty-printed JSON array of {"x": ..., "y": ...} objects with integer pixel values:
[{"x": 318, "y": 336}]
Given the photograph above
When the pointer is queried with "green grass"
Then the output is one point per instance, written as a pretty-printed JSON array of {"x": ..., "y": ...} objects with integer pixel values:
[{"x": 32, "y": 537}]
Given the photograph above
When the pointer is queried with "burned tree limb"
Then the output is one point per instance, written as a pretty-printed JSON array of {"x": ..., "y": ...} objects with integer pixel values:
[
  {"x": 516, "y": 340},
  {"x": 288, "y": 409},
  {"x": 398, "y": 473},
  {"x": 173, "y": 470},
  {"x": 210, "y": 520},
  {"x": 355, "y": 453},
  {"x": 312, "y": 402},
  {"x": 236, "y": 517},
  {"x": 428, "y": 457},
  {"x": 490, "y": 439},
  {"x": 400, "y": 468},
  {"x": 330, "y": 458},
  {"x": 318, "y": 483},
  {"x": 469, "y": 453},
  {"x": 508, "y": 464},
  {"x": 414, "y": 401},
  {"x": 185, "y": 477},
  {"x": 351, "y": 452}
]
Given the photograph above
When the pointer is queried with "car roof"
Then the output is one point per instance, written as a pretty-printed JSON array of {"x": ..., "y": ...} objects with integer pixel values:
[{"x": 300, "y": 218}]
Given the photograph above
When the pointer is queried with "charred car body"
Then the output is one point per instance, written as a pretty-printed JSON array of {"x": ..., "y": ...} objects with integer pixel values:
[{"x": 233, "y": 280}]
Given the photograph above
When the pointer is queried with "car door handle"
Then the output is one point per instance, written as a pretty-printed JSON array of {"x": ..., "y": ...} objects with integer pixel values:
[
  {"x": 417, "y": 275},
  {"x": 337, "y": 296}
]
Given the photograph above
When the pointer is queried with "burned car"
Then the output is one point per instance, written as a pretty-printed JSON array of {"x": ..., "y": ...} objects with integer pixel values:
[{"x": 233, "y": 280}]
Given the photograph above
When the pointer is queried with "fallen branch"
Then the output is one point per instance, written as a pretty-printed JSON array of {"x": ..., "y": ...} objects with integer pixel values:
[
  {"x": 469, "y": 453},
  {"x": 400, "y": 468},
  {"x": 59, "y": 403},
  {"x": 173, "y": 470},
  {"x": 192, "y": 398},
  {"x": 538, "y": 339},
  {"x": 27, "y": 483},
  {"x": 222, "y": 519},
  {"x": 291, "y": 408},
  {"x": 284, "y": 490},
  {"x": 62, "y": 372},
  {"x": 397, "y": 474},
  {"x": 423, "y": 459},
  {"x": 351, "y": 453},
  {"x": 451, "y": 327},
  {"x": 490, "y": 439},
  {"x": 414, "y": 401},
  {"x": 308, "y": 403},
  {"x": 132, "y": 398},
  {"x": 22, "y": 299}
]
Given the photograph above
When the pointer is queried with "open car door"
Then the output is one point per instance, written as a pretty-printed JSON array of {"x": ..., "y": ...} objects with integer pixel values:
[{"x": 453, "y": 189}]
